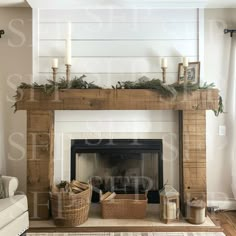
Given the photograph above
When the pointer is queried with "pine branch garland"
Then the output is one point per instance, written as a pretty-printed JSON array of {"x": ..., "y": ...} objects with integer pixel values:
[{"x": 51, "y": 86}]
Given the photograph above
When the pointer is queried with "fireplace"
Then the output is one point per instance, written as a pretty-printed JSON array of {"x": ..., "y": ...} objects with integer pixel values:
[
  {"x": 119, "y": 165},
  {"x": 55, "y": 160}
]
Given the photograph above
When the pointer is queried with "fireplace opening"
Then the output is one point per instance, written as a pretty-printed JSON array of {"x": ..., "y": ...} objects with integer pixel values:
[{"x": 119, "y": 165}]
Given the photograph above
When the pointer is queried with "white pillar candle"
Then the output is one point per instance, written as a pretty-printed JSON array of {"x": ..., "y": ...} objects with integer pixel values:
[
  {"x": 185, "y": 61},
  {"x": 171, "y": 211},
  {"x": 55, "y": 63},
  {"x": 68, "y": 52},
  {"x": 164, "y": 62},
  {"x": 68, "y": 45}
]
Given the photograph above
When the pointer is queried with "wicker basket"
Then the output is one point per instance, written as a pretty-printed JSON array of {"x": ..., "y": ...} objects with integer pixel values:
[
  {"x": 69, "y": 209},
  {"x": 125, "y": 206}
]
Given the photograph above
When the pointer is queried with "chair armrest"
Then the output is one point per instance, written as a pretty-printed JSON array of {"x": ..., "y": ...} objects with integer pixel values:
[{"x": 10, "y": 185}]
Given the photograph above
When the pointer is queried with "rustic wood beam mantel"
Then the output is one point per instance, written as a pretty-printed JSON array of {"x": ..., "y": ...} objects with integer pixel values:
[
  {"x": 40, "y": 133},
  {"x": 110, "y": 99}
]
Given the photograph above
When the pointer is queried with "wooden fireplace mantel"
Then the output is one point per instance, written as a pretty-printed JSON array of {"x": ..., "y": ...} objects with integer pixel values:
[
  {"x": 40, "y": 133},
  {"x": 110, "y": 99}
]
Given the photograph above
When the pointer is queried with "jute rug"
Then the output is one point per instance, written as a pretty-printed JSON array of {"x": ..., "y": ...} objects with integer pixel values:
[{"x": 128, "y": 234}]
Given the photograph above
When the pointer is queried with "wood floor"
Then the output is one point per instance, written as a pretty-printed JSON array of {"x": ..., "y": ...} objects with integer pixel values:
[{"x": 227, "y": 221}]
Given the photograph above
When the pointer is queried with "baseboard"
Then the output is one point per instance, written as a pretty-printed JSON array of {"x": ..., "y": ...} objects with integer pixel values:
[{"x": 223, "y": 205}]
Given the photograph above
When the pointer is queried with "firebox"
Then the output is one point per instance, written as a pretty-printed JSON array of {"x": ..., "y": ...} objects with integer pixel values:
[{"x": 119, "y": 165}]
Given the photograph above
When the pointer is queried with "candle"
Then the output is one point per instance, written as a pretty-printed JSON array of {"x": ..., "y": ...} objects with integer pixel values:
[
  {"x": 185, "y": 61},
  {"x": 164, "y": 62},
  {"x": 68, "y": 52},
  {"x": 171, "y": 211},
  {"x": 68, "y": 45},
  {"x": 55, "y": 63}
]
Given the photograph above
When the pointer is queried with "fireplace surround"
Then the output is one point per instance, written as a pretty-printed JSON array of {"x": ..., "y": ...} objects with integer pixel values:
[
  {"x": 119, "y": 165},
  {"x": 40, "y": 133}
]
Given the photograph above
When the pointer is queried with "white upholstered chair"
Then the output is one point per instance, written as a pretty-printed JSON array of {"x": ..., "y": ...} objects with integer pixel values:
[{"x": 14, "y": 219}]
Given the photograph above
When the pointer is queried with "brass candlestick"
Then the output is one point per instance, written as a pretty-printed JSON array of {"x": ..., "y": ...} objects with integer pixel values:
[
  {"x": 164, "y": 74},
  {"x": 68, "y": 72},
  {"x": 54, "y": 73},
  {"x": 185, "y": 82},
  {"x": 185, "y": 75}
]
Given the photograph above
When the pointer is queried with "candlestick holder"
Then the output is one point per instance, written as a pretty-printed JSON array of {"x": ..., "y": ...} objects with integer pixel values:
[
  {"x": 68, "y": 69},
  {"x": 185, "y": 75},
  {"x": 54, "y": 73},
  {"x": 164, "y": 74}
]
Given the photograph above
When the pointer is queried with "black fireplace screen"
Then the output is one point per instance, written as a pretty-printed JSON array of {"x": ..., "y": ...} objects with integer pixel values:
[{"x": 122, "y": 166}]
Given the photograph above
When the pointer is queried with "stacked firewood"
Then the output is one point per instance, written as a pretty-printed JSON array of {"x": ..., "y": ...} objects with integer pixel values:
[
  {"x": 107, "y": 196},
  {"x": 74, "y": 186}
]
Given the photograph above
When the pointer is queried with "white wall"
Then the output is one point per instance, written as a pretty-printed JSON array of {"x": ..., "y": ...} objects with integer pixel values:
[
  {"x": 217, "y": 55},
  {"x": 15, "y": 67},
  {"x": 113, "y": 45}
]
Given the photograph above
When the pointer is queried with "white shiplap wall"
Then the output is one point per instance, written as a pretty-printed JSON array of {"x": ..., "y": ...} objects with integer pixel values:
[
  {"x": 110, "y": 46},
  {"x": 113, "y": 45}
]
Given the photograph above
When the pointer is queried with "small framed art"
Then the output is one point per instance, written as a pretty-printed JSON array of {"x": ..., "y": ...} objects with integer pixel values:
[{"x": 193, "y": 73}]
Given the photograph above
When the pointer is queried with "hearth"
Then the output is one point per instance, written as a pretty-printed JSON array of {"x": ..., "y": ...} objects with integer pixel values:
[{"x": 119, "y": 165}]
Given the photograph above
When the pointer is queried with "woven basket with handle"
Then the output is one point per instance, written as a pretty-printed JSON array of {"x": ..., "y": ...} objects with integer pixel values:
[{"x": 69, "y": 209}]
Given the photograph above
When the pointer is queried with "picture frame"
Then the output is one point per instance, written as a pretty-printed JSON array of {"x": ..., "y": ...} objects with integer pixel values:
[{"x": 193, "y": 73}]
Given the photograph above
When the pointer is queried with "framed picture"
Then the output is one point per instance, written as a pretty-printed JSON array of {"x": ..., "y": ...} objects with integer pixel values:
[{"x": 193, "y": 73}]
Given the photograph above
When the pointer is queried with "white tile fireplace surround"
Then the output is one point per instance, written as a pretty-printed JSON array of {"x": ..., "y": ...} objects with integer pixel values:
[{"x": 117, "y": 125}]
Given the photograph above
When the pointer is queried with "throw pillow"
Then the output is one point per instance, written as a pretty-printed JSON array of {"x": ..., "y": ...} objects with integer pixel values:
[{"x": 2, "y": 192}]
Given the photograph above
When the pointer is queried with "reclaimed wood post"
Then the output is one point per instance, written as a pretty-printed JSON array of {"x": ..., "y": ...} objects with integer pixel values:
[
  {"x": 192, "y": 156},
  {"x": 40, "y": 145}
]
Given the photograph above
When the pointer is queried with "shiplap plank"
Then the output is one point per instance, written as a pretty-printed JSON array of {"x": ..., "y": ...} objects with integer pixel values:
[
  {"x": 120, "y": 48},
  {"x": 127, "y": 4},
  {"x": 116, "y": 15},
  {"x": 111, "y": 65},
  {"x": 108, "y": 79},
  {"x": 162, "y": 30},
  {"x": 132, "y": 115},
  {"x": 134, "y": 126}
]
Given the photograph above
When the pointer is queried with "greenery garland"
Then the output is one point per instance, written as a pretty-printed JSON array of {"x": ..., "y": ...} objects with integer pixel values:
[
  {"x": 170, "y": 90},
  {"x": 51, "y": 86}
]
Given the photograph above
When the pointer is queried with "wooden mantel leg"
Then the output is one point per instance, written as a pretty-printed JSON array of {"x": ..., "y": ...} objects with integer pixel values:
[
  {"x": 192, "y": 156},
  {"x": 40, "y": 145}
]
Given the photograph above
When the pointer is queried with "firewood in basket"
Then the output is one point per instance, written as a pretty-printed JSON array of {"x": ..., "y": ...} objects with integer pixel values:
[
  {"x": 83, "y": 186},
  {"x": 105, "y": 195},
  {"x": 76, "y": 190},
  {"x": 110, "y": 197},
  {"x": 79, "y": 185},
  {"x": 75, "y": 183}
]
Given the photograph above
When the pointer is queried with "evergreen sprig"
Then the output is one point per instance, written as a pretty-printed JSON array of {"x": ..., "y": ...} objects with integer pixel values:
[{"x": 220, "y": 107}]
